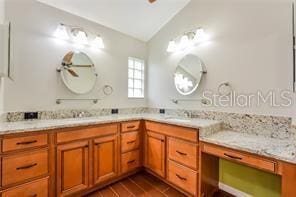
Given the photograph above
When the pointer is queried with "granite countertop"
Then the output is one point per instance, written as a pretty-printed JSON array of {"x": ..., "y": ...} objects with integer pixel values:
[
  {"x": 205, "y": 126},
  {"x": 209, "y": 131},
  {"x": 281, "y": 149}
]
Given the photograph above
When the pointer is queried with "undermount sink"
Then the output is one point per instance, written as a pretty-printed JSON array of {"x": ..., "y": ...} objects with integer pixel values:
[{"x": 178, "y": 119}]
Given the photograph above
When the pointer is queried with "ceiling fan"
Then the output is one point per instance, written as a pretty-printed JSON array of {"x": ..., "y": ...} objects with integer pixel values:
[{"x": 151, "y": 1}]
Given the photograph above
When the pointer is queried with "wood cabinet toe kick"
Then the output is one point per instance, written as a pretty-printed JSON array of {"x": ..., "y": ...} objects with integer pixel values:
[{"x": 75, "y": 161}]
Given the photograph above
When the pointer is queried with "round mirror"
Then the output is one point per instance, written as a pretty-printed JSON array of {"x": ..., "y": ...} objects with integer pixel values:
[
  {"x": 188, "y": 74},
  {"x": 78, "y": 72}
]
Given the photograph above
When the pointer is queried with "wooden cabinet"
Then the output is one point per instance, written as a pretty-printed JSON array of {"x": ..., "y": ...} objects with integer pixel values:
[
  {"x": 183, "y": 177},
  {"x": 32, "y": 189},
  {"x": 130, "y": 161},
  {"x": 105, "y": 158},
  {"x": 183, "y": 152},
  {"x": 172, "y": 153},
  {"x": 23, "y": 166},
  {"x": 155, "y": 153},
  {"x": 130, "y": 126},
  {"x": 237, "y": 156},
  {"x": 130, "y": 141},
  {"x": 72, "y": 167},
  {"x": 24, "y": 142},
  {"x": 73, "y": 161}
]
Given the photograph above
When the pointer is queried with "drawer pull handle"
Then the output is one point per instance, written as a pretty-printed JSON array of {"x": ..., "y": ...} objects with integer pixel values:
[
  {"x": 181, "y": 153},
  {"x": 130, "y": 142},
  {"x": 131, "y": 127},
  {"x": 34, "y": 195},
  {"x": 232, "y": 157},
  {"x": 180, "y": 177},
  {"x": 26, "y": 142},
  {"x": 132, "y": 161},
  {"x": 26, "y": 167}
]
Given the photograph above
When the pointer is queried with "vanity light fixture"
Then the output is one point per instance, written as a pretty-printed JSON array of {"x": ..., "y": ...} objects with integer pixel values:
[
  {"x": 187, "y": 40},
  {"x": 61, "y": 32},
  {"x": 79, "y": 36},
  {"x": 98, "y": 43},
  {"x": 200, "y": 35},
  {"x": 172, "y": 46},
  {"x": 184, "y": 43}
]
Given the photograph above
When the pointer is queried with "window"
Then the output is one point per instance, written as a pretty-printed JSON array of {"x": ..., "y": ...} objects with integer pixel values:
[{"x": 135, "y": 78}]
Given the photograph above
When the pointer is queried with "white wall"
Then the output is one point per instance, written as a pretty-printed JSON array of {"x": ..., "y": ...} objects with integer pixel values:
[
  {"x": 2, "y": 11},
  {"x": 2, "y": 18},
  {"x": 36, "y": 55},
  {"x": 250, "y": 46}
]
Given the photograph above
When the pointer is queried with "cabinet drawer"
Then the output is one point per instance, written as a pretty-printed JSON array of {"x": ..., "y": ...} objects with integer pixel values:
[
  {"x": 183, "y": 152},
  {"x": 130, "y": 141},
  {"x": 183, "y": 177},
  {"x": 87, "y": 132},
  {"x": 172, "y": 130},
  {"x": 37, "y": 188},
  {"x": 24, "y": 166},
  {"x": 130, "y": 126},
  {"x": 17, "y": 143},
  {"x": 236, "y": 156},
  {"x": 130, "y": 161}
]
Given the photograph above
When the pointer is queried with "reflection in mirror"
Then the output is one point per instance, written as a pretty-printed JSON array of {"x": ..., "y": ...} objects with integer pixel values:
[
  {"x": 188, "y": 74},
  {"x": 78, "y": 72}
]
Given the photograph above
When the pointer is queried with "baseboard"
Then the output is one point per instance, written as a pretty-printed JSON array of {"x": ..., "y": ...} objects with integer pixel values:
[{"x": 233, "y": 191}]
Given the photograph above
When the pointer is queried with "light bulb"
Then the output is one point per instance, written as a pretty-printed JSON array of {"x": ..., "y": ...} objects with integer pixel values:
[
  {"x": 79, "y": 36},
  {"x": 200, "y": 35},
  {"x": 61, "y": 32},
  {"x": 184, "y": 43},
  {"x": 98, "y": 43},
  {"x": 172, "y": 46}
]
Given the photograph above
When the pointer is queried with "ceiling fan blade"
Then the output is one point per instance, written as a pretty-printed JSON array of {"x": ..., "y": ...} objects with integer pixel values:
[
  {"x": 68, "y": 58},
  {"x": 72, "y": 72},
  {"x": 152, "y": 1}
]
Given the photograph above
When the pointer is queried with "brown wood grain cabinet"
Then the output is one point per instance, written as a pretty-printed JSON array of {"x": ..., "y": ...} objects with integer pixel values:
[
  {"x": 75, "y": 161},
  {"x": 155, "y": 153},
  {"x": 105, "y": 158},
  {"x": 130, "y": 161},
  {"x": 32, "y": 189},
  {"x": 72, "y": 167}
]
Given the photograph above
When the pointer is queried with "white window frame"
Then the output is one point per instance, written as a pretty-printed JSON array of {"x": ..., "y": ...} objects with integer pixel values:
[{"x": 142, "y": 78}]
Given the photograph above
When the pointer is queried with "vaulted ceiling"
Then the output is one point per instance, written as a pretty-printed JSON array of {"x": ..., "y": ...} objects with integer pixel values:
[{"x": 137, "y": 18}]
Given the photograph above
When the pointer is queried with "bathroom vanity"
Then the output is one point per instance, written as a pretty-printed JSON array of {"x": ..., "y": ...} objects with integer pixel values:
[{"x": 79, "y": 156}]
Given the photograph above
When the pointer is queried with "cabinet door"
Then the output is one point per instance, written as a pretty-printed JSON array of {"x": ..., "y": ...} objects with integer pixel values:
[
  {"x": 155, "y": 153},
  {"x": 72, "y": 167},
  {"x": 105, "y": 158}
]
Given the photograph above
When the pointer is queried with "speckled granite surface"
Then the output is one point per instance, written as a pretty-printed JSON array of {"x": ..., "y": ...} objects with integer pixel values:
[
  {"x": 264, "y": 135},
  {"x": 269, "y": 126},
  {"x": 282, "y": 149},
  {"x": 71, "y": 113},
  {"x": 206, "y": 127}
]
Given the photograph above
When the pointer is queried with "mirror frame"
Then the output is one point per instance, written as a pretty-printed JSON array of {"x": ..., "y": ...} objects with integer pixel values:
[
  {"x": 203, "y": 71},
  {"x": 61, "y": 70}
]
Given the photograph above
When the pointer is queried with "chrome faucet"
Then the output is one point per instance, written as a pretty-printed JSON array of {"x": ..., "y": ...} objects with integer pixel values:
[
  {"x": 78, "y": 114},
  {"x": 188, "y": 114}
]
